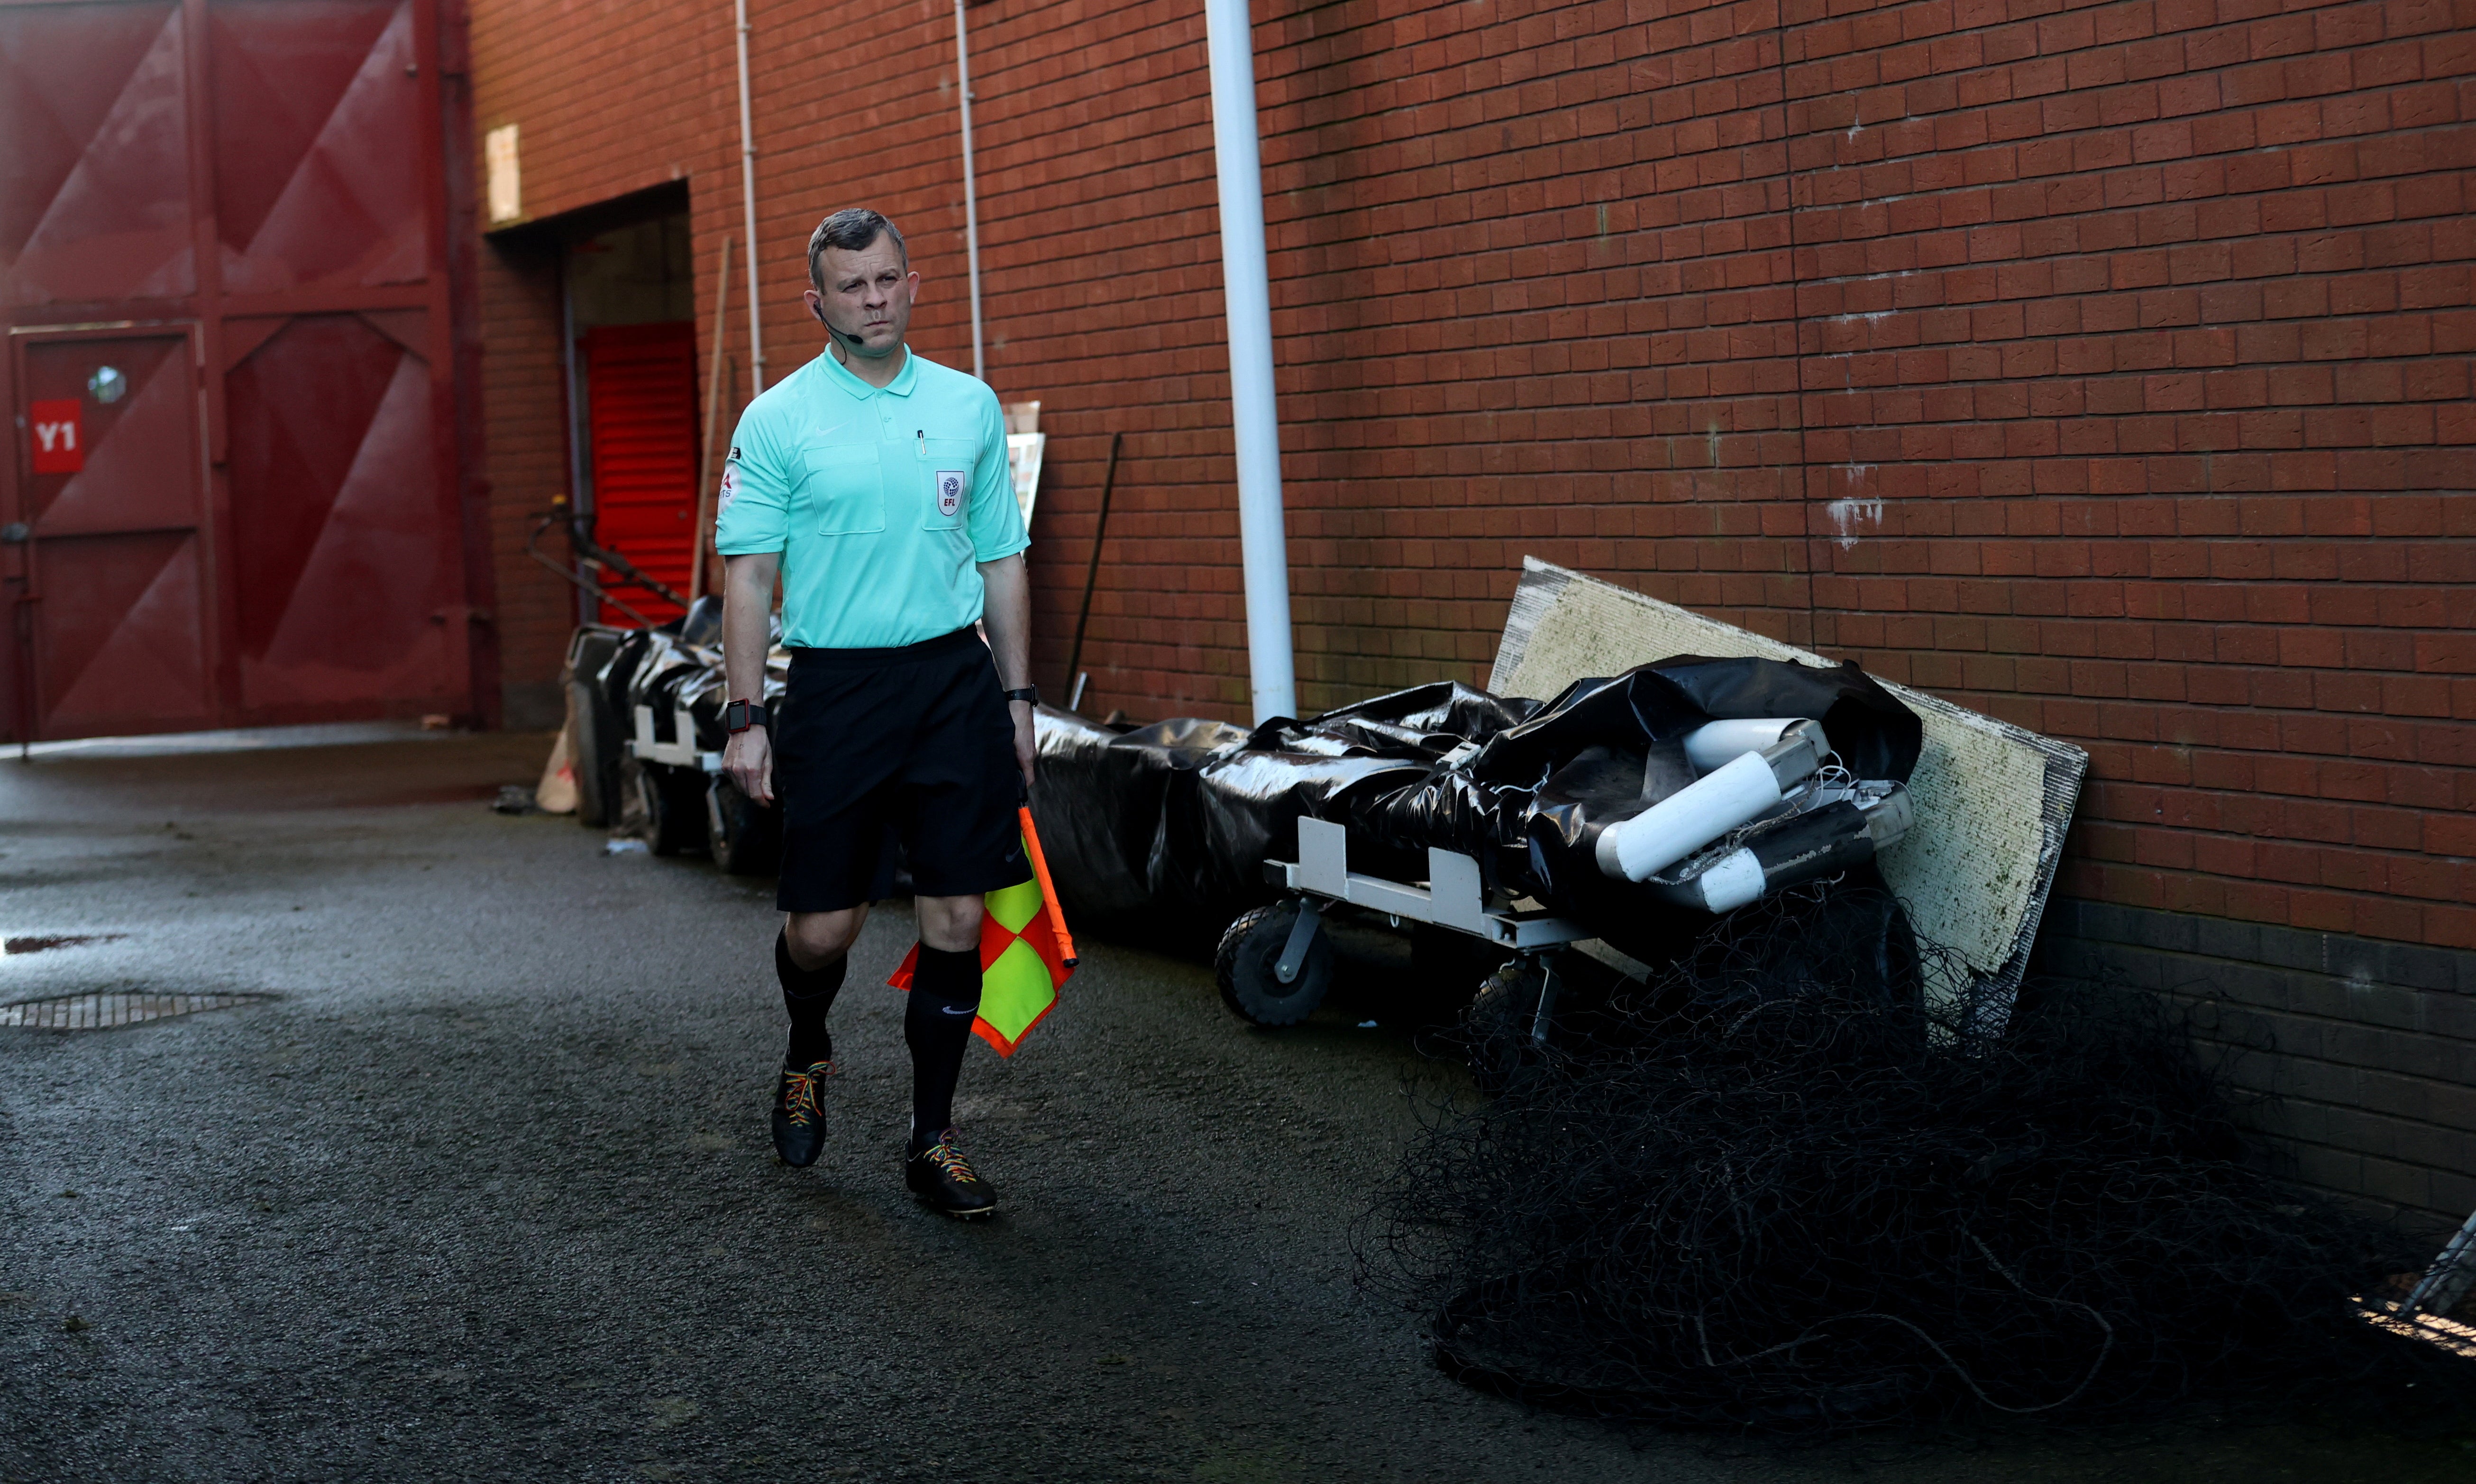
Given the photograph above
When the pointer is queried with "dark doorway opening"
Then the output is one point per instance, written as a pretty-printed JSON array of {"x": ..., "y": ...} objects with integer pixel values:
[{"x": 629, "y": 287}]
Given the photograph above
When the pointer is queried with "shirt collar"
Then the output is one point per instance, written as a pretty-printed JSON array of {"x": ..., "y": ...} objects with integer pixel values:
[{"x": 900, "y": 386}]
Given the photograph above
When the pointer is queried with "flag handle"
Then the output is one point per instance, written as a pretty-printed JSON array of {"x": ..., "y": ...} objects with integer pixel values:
[{"x": 1047, "y": 888}]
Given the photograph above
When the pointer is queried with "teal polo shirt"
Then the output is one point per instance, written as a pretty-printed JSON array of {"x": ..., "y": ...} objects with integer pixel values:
[{"x": 878, "y": 499}]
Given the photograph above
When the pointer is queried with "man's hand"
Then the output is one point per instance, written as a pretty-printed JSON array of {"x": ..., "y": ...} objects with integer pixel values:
[
  {"x": 1025, "y": 744},
  {"x": 749, "y": 758}
]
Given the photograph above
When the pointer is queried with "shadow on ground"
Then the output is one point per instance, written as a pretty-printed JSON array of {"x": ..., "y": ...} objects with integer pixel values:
[{"x": 485, "y": 1191}]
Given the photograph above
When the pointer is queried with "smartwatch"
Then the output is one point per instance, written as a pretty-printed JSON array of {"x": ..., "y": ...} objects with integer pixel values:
[
  {"x": 740, "y": 715},
  {"x": 1030, "y": 693}
]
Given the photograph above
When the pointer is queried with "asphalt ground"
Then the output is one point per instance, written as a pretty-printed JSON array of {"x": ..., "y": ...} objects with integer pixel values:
[{"x": 484, "y": 1190}]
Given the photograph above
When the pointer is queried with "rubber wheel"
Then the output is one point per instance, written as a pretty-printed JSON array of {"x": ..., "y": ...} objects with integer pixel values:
[
  {"x": 590, "y": 753},
  {"x": 672, "y": 801},
  {"x": 1449, "y": 967},
  {"x": 1243, "y": 968},
  {"x": 1497, "y": 1025},
  {"x": 742, "y": 838}
]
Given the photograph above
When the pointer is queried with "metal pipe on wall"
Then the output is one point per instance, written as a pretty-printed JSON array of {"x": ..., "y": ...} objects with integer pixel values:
[
  {"x": 703, "y": 529},
  {"x": 580, "y": 488},
  {"x": 1246, "y": 287},
  {"x": 748, "y": 203},
  {"x": 970, "y": 185}
]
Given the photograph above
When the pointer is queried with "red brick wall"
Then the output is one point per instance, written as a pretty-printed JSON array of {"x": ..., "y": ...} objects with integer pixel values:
[
  {"x": 2105, "y": 367},
  {"x": 2149, "y": 325},
  {"x": 524, "y": 401},
  {"x": 609, "y": 99}
]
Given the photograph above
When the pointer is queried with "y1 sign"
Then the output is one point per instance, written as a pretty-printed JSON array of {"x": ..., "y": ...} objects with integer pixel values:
[{"x": 60, "y": 442}]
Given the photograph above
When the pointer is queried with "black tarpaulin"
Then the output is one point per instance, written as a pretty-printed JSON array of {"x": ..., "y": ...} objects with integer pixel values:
[{"x": 1180, "y": 816}]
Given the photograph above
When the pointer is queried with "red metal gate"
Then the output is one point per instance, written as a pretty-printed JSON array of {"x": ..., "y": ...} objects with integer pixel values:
[{"x": 238, "y": 207}]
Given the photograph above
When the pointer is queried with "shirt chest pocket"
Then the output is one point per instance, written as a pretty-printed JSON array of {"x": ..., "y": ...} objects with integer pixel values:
[
  {"x": 845, "y": 486},
  {"x": 946, "y": 482}
]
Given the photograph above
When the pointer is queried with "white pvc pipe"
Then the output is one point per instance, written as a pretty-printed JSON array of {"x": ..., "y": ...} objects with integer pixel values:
[
  {"x": 1733, "y": 880},
  {"x": 1229, "y": 38},
  {"x": 1689, "y": 819},
  {"x": 748, "y": 204},
  {"x": 970, "y": 188},
  {"x": 1716, "y": 744}
]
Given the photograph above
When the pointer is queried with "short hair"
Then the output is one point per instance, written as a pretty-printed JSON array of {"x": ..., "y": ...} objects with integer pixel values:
[{"x": 852, "y": 229}]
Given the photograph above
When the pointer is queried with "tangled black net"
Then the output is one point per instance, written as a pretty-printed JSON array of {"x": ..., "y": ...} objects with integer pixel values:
[{"x": 1778, "y": 1192}]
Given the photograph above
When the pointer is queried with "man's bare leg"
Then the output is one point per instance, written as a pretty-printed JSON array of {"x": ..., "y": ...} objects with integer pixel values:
[
  {"x": 951, "y": 923},
  {"x": 816, "y": 939}
]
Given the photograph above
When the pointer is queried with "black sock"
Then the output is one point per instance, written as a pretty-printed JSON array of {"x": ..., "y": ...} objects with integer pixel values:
[
  {"x": 937, "y": 1025},
  {"x": 807, "y": 994}
]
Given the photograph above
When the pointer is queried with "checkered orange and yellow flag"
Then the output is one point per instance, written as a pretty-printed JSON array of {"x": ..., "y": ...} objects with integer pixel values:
[{"x": 1026, "y": 955}]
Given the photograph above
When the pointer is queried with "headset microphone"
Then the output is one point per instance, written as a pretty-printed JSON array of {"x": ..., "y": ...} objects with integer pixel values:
[
  {"x": 832, "y": 333},
  {"x": 850, "y": 342}
]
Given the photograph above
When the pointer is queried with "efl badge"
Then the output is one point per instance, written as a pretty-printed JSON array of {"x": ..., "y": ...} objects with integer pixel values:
[{"x": 950, "y": 491}]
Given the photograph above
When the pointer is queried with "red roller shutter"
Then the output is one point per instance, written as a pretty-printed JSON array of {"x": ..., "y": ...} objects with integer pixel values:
[{"x": 640, "y": 392}]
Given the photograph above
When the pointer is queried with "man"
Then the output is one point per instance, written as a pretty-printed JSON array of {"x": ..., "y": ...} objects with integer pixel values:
[{"x": 874, "y": 484}]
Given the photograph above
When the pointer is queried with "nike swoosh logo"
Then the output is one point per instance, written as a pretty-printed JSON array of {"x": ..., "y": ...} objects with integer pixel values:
[{"x": 950, "y": 1010}]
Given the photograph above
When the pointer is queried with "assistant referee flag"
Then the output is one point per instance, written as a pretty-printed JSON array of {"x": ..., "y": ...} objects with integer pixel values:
[{"x": 1026, "y": 955}]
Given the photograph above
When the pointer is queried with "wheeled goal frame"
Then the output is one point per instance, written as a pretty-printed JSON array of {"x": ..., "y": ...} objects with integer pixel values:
[{"x": 1453, "y": 897}]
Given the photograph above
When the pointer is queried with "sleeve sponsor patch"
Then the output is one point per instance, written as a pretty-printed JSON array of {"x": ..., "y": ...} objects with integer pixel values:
[{"x": 730, "y": 488}]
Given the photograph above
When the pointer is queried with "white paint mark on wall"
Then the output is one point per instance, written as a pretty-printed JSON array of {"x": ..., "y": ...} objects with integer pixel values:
[{"x": 1850, "y": 515}]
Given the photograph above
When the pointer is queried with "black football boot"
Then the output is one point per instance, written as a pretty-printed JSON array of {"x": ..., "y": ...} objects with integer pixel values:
[
  {"x": 799, "y": 1114},
  {"x": 944, "y": 1181}
]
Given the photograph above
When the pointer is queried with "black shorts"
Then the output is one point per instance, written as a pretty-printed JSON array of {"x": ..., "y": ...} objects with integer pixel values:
[{"x": 879, "y": 747}]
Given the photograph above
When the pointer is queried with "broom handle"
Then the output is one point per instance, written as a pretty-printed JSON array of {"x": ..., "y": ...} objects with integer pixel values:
[
  {"x": 1048, "y": 889},
  {"x": 1092, "y": 574}
]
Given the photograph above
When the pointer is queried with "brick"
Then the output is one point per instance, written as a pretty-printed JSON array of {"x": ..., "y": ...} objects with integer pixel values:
[{"x": 2152, "y": 326}]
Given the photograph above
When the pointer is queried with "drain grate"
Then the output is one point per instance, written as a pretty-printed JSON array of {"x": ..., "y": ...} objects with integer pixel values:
[{"x": 106, "y": 1011}]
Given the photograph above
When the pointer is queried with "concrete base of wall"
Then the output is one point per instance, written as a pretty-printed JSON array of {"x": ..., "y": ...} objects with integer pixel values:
[
  {"x": 537, "y": 706},
  {"x": 2372, "y": 1046}
]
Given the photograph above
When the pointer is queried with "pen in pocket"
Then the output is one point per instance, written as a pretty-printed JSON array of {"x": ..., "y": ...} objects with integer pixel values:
[{"x": 923, "y": 436}]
